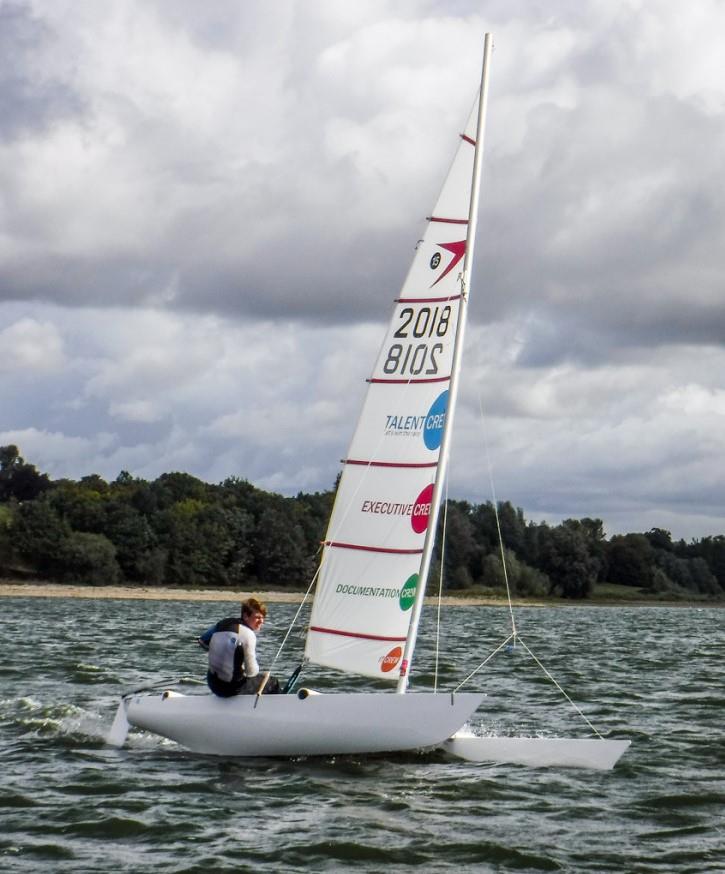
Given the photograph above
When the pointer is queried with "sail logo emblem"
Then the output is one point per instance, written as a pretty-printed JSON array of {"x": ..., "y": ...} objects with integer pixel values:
[
  {"x": 435, "y": 260},
  {"x": 421, "y": 510},
  {"x": 457, "y": 249},
  {"x": 389, "y": 662},
  {"x": 435, "y": 422},
  {"x": 429, "y": 425},
  {"x": 407, "y": 592}
]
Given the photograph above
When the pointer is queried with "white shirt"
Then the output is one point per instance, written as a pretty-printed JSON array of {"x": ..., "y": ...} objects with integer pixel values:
[{"x": 249, "y": 642}]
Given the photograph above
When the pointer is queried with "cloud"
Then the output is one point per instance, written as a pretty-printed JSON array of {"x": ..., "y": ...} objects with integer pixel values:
[
  {"x": 205, "y": 213},
  {"x": 31, "y": 98},
  {"x": 29, "y": 346}
]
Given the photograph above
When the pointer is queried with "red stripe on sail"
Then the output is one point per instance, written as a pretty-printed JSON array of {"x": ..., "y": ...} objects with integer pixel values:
[
  {"x": 409, "y": 381},
  {"x": 429, "y": 299},
  {"x": 337, "y": 544},
  {"x": 389, "y": 463},
  {"x": 355, "y": 634},
  {"x": 468, "y": 139},
  {"x": 447, "y": 221}
]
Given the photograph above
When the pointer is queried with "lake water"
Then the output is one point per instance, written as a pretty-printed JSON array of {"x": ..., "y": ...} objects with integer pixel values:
[{"x": 655, "y": 675}]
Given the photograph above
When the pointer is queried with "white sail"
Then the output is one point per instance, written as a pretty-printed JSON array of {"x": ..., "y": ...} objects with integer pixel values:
[{"x": 373, "y": 550}]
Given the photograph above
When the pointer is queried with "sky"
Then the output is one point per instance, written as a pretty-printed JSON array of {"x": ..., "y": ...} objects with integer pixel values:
[{"x": 207, "y": 210}]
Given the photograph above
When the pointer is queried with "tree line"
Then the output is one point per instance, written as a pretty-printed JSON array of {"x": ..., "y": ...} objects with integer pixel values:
[{"x": 180, "y": 531}]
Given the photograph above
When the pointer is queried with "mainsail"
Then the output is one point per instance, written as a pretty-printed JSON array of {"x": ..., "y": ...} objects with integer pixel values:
[{"x": 373, "y": 563}]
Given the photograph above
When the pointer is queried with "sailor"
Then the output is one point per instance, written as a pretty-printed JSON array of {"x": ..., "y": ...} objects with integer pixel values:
[{"x": 232, "y": 645}]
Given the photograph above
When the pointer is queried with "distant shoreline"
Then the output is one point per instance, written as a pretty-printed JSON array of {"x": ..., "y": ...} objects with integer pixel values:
[
  {"x": 10, "y": 589},
  {"x": 16, "y": 589}
]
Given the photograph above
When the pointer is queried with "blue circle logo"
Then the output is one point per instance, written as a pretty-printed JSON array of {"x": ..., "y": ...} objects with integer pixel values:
[{"x": 435, "y": 422}]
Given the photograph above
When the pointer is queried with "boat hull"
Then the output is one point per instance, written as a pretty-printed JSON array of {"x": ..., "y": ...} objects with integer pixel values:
[
  {"x": 288, "y": 725},
  {"x": 598, "y": 754}
]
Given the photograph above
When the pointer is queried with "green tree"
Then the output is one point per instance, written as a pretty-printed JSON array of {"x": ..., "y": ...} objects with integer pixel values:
[
  {"x": 280, "y": 555},
  {"x": 510, "y": 520},
  {"x": 513, "y": 526},
  {"x": 462, "y": 555},
  {"x": 592, "y": 532},
  {"x": 137, "y": 550},
  {"x": 313, "y": 513},
  {"x": 205, "y": 544},
  {"x": 566, "y": 559},
  {"x": 7, "y": 553},
  {"x": 18, "y": 480},
  {"x": 523, "y": 580},
  {"x": 630, "y": 561},
  {"x": 82, "y": 508},
  {"x": 172, "y": 488},
  {"x": 89, "y": 559},
  {"x": 659, "y": 538},
  {"x": 39, "y": 536},
  {"x": 712, "y": 551}
]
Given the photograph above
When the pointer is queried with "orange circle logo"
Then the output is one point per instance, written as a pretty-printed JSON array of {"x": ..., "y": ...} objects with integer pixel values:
[{"x": 390, "y": 661}]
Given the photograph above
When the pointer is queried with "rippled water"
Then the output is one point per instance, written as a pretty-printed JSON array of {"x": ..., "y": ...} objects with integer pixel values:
[{"x": 654, "y": 675}]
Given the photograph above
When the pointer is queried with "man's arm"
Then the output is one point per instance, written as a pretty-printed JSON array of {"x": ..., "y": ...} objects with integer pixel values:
[
  {"x": 249, "y": 642},
  {"x": 203, "y": 641}
]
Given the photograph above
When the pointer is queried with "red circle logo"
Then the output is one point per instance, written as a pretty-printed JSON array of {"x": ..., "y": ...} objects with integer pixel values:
[{"x": 421, "y": 510}]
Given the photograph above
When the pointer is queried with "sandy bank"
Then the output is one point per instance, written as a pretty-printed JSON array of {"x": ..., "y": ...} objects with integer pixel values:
[
  {"x": 142, "y": 593},
  {"x": 161, "y": 593}
]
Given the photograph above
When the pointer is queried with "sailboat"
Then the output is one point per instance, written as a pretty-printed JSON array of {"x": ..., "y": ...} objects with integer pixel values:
[{"x": 377, "y": 552}]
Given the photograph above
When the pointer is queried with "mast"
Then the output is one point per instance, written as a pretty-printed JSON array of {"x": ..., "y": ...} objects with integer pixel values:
[{"x": 453, "y": 388}]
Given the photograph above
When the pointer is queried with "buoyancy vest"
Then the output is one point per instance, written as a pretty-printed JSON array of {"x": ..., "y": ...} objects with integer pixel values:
[{"x": 226, "y": 654}]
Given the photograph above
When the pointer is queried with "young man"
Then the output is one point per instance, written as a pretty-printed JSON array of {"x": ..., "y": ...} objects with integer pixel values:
[{"x": 232, "y": 647}]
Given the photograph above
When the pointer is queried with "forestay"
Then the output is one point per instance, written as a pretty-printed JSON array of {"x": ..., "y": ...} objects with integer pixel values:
[{"x": 372, "y": 554}]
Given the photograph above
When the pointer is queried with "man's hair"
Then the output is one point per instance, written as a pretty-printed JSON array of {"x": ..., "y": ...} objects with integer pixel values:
[{"x": 252, "y": 605}]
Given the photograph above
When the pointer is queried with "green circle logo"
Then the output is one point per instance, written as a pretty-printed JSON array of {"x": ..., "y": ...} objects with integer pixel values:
[{"x": 407, "y": 593}]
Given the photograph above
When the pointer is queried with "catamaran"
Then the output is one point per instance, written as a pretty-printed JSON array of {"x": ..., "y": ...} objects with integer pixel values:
[{"x": 377, "y": 553}]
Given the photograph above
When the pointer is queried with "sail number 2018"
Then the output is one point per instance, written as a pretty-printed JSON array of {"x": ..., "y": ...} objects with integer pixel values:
[{"x": 413, "y": 359}]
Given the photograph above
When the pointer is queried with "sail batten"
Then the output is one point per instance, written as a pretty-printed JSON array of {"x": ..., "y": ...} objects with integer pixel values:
[
  {"x": 428, "y": 299},
  {"x": 364, "y": 463},
  {"x": 336, "y": 544},
  {"x": 408, "y": 381},
  {"x": 356, "y": 634}
]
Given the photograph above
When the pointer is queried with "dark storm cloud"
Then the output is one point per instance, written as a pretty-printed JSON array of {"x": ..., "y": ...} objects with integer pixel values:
[{"x": 591, "y": 216}]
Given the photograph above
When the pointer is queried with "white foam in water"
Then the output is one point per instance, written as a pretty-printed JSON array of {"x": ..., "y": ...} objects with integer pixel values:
[{"x": 119, "y": 730}]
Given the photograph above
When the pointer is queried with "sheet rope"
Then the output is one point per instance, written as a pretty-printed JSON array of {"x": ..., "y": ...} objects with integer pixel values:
[{"x": 514, "y": 636}]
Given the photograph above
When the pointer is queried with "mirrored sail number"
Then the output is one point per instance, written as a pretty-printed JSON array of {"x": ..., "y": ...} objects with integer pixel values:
[{"x": 415, "y": 359}]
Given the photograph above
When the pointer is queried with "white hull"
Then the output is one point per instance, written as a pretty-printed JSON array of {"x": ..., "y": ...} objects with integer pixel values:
[
  {"x": 539, "y": 752},
  {"x": 287, "y": 725}
]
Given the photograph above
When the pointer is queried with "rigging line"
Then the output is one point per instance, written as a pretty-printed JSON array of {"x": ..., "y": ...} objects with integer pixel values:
[
  {"x": 562, "y": 690},
  {"x": 484, "y": 662},
  {"x": 496, "y": 516},
  {"x": 296, "y": 616},
  {"x": 440, "y": 588}
]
